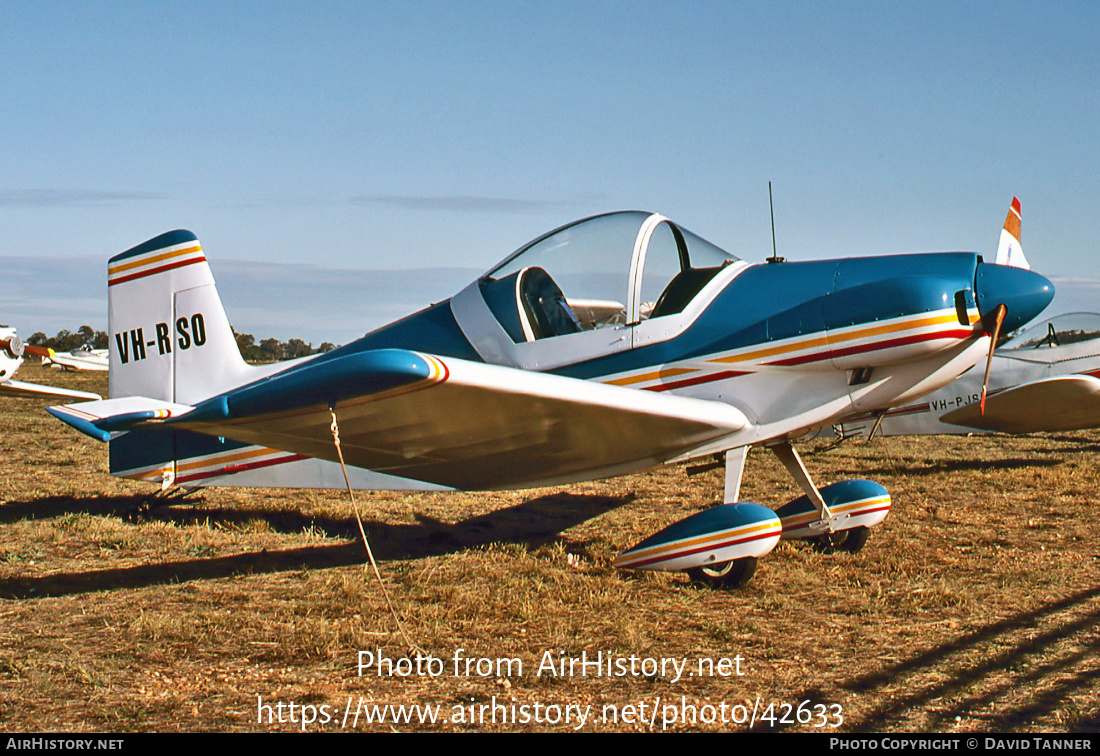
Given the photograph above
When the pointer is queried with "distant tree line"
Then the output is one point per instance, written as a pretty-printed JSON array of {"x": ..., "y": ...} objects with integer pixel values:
[
  {"x": 66, "y": 341},
  {"x": 273, "y": 350},
  {"x": 267, "y": 350}
]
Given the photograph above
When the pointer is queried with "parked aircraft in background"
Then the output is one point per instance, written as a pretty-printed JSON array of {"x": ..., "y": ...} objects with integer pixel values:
[
  {"x": 84, "y": 358},
  {"x": 12, "y": 350},
  {"x": 607, "y": 346}
]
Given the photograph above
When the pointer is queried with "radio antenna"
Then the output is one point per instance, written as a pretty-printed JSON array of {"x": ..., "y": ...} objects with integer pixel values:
[{"x": 775, "y": 258}]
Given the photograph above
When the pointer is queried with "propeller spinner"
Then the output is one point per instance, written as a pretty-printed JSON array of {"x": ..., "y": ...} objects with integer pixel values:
[
  {"x": 1007, "y": 298},
  {"x": 16, "y": 347}
]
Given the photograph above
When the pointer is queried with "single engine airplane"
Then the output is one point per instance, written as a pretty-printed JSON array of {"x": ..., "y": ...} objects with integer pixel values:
[
  {"x": 83, "y": 358},
  {"x": 12, "y": 349},
  {"x": 607, "y": 346}
]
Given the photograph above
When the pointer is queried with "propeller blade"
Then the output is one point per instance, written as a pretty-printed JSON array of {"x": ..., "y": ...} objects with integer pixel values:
[{"x": 998, "y": 318}]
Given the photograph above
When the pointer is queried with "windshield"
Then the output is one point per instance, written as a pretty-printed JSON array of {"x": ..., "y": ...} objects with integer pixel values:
[
  {"x": 1058, "y": 331},
  {"x": 599, "y": 272}
]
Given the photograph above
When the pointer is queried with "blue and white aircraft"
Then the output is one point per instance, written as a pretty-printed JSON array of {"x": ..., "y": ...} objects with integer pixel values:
[{"x": 607, "y": 346}]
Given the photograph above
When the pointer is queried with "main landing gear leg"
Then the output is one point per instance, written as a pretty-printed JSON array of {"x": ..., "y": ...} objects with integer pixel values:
[
  {"x": 735, "y": 471},
  {"x": 733, "y": 573},
  {"x": 790, "y": 459},
  {"x": 856, "y": 505}
]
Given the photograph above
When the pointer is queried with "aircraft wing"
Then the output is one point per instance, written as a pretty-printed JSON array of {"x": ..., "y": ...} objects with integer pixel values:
[
  {"x": 21, "y": 388},
  {"x": 443, "y": 420},
  {"x": 1062, "y": 403},
  {"x": 69, "y": 362}
]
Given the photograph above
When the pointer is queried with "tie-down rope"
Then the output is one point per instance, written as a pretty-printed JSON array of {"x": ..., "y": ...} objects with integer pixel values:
[{"x": 340, "y": 454}]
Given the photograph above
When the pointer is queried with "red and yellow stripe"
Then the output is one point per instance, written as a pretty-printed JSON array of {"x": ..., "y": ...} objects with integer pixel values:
[
  {"x": 852, "y": 509},
  {"x": 215, "y": 465},
  {"x": 158, "y": 261},
  {"x": 803, "y": 351},
  {"x": 668, "y": 552}
]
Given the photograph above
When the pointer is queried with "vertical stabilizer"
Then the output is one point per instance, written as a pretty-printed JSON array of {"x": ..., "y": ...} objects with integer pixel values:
[
  {"x": 170, "y": 337},
  {"x": 1010, "y": 251}
]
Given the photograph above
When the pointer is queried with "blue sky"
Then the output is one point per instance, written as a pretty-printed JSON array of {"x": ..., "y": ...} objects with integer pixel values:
[{"x": 361, "y": 136}]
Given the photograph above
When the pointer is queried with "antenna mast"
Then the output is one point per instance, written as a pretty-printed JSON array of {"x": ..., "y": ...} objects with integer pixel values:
[{"x": 775, "y": 258}]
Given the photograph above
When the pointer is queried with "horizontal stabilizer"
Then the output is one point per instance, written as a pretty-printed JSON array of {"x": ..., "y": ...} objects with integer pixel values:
[
  {"x": 457, "y": 423},
  {"x": 1064, "y": 403},
  {"x": 102, "y": 418}
]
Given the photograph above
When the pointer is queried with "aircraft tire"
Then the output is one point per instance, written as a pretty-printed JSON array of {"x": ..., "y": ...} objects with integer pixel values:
[
  {"x": 724, "y": 575},
  {"x": 856, "y": 540},
  {"x": 851, "y": 541}
]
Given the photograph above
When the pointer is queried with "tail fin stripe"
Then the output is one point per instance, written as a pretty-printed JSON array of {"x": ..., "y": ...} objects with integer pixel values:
[
  {"x": 154, "y": 271},
  {"x": 114, "y": 269},
  {"x": 229, "y": 470}
]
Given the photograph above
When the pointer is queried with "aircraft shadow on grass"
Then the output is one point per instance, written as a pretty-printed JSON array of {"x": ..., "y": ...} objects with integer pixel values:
[
  {"x": 532, "y": 523},
  {"x": 1077, "y": 444},
  {"x": 977, "y": 670},
  {"x": 947, "y": 467}
]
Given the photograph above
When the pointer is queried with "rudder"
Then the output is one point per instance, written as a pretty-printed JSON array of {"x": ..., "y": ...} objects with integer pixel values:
[{"x": 1010, "y": 250}]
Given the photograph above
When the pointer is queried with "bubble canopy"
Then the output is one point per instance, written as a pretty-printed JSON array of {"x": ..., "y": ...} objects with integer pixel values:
[
  {"x": 613, "y": 269},
  {"x": 1061, "y": 330}
]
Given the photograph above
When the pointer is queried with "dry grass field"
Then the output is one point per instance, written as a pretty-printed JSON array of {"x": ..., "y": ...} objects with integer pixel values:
[{"x": 975, "y": 606}]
